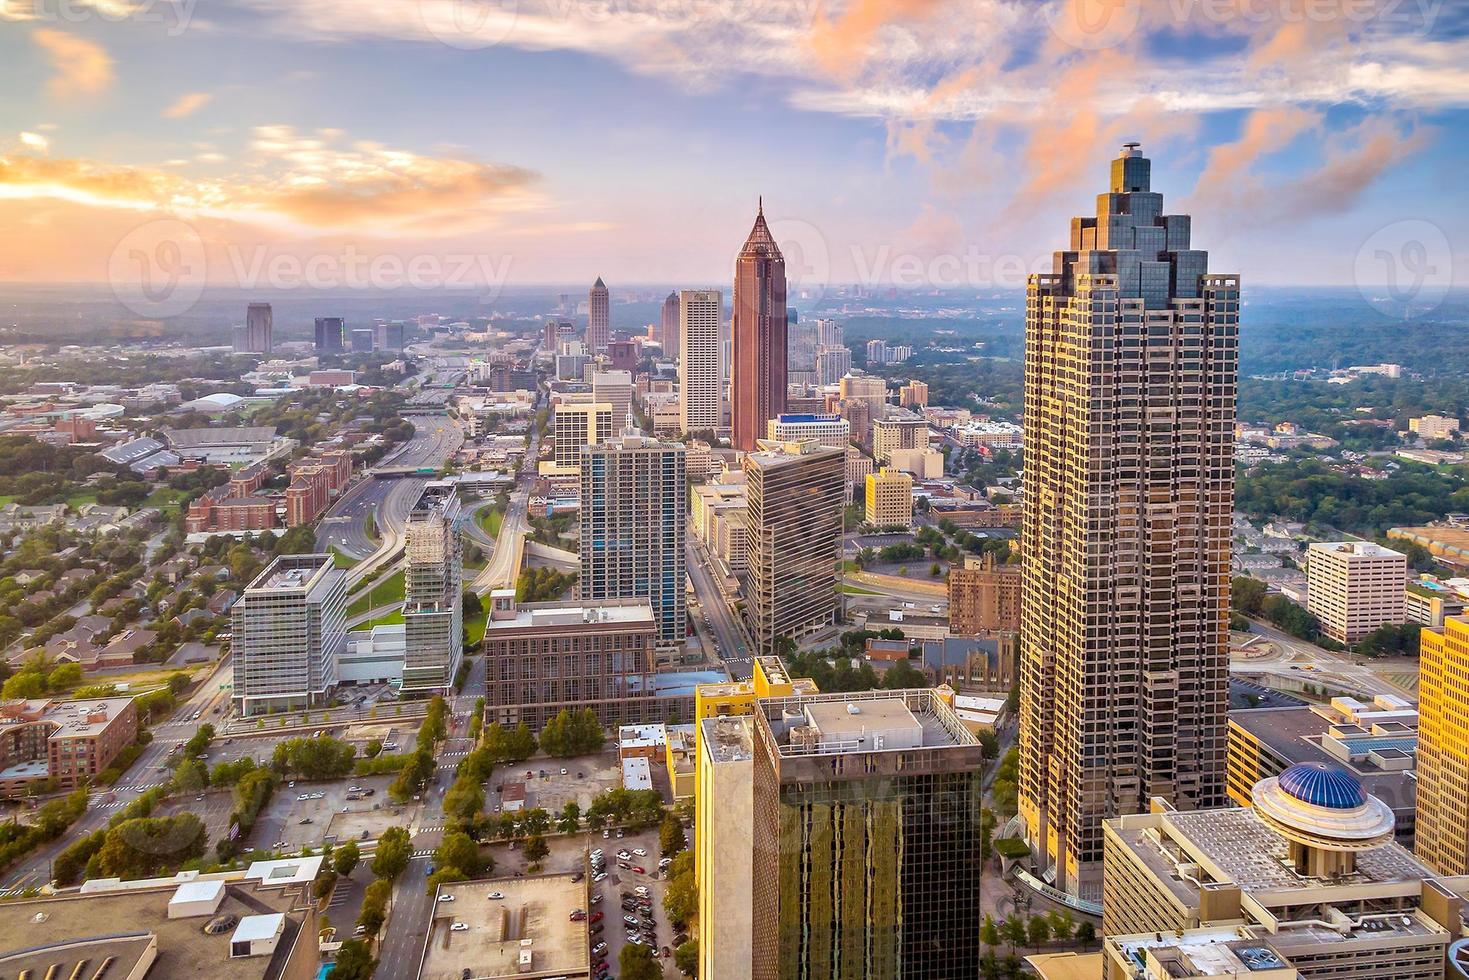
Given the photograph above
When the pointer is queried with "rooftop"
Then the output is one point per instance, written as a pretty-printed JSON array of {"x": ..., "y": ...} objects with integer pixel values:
[
  {"x": 728, "y": 739},
  {"x": 1296, "y": 734},
  {"x": 524, "y": 933},
  {"x": 72, "y": 718},
  {"x": 609, "y": 612},
  {"x": 194, "y": 438},
  {"x": 1354, "y": 549},
  {"x": 862, "y": 722},
  {"x": 291, "y": 573}
]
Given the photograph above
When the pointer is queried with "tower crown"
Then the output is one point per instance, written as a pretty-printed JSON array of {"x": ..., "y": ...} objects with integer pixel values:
[{"x": 760, "y": 241}]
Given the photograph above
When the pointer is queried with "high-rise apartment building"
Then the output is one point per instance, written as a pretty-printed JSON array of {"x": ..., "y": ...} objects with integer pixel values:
[
  {"x": 844, "y": 839},
  {"x": 575, "y": 425},
  {"x": 801, "y": 346},
  {"x": 758, "y": 370},
  {"x": 433, "y": 586},
  {"x": 634, "y": 501},
  {"x": 828, "y": 333},
  {"x": 793, "y": 535},
  {"x": 1353, "y": 587},
  {"x": 599, "y": 317},
  {"x": 1443, "y": 747},
  {"x": 700, "y": 390},
  {"x": 330, "y": 334},
  {"x": 914, "y": 394},
  {"x": 984, "y": 597},
  {"x": 832, "y": 364},
  {"x": 668, "y": 332},
  {"x": 889, "y": 498},
  {"x": 1131, "y": 365},
  {"x": 614, "y": 388},
  {"x": 1306, "y": 883},
  {"x": 289, "y": 626},
  {"x": 829, "y": 430},
  {"x": 259, "y": 333},
  {"x": 905, "y": 431},
  {"x": 866, "y": 388}
]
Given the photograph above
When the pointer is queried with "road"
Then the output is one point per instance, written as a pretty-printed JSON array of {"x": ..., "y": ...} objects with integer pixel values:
[
  {"x": 504, "y": 565},
  {"x": 145, "y": 773},
  {"x": 1331, "y": 668},
  {"x": 734, "y": 644}
]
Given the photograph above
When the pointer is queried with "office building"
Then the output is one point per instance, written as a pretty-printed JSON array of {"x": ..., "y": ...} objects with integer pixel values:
[
  {"x": 634, "y": 501},
  {"x": 1353, "y": 587},
  {"x": 623, "y": 355},
  {"x": 924, "y": 464},
  {"x": 614, "y": 388},
  {"x": 542, "y": 657},
  {"x": 361, "y": 338},
  {"x": 1375, "y": 741},
  {"x": 758, "y": 334},
  {"x": 801, "y": 347},
  {"x": 832, "y": 364},
  {"x": 828, "y": 333},
  {"x": 258, "y": 334},
  {"x": 844, "y": 838},
  {"x": 829, "y": 430},
  {"x": 61, "y": 743},
  {"x": 793, "y": 533},
  {"x": 984, "y": 597},
  {"x": 556, "y": 333},
  {"x": 330, "y": 334},
  {"x": 575, "y": 425},
  {"x": 668, "y": 326},
  {"x": 914, "y": 394},
  {"x": 1308, "y": 879},
  {"x": 904, "y": 431},
  {"x": 289, "y": 626},
  {"x": 858, "y": 465},
  {"x": 866, "y": 389},
  {"x": 1431, "y": 428},
  {"x": 433, "y": 586},
  {"x": 1131, "y": 367},
  {"x": 599, "y": 317},
  {"x": 889, "y": 498},
  {"x": 387, "y": 335},
  {"x": 700, "y": 385},
  {"x": 1443, "y": 750}
]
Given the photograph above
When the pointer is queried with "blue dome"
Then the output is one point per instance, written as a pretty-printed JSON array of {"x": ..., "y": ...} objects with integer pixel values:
[{"x": 1320, "y": 784}]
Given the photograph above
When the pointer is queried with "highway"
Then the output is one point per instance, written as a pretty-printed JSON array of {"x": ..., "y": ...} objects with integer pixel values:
[
  {"x": 504, "y": 565},
  {"x": 1334, "y": 669}
]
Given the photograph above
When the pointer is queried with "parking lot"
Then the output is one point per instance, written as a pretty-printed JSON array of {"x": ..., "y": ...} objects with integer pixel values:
[
  {"x": 213, "y": 807},
  {"x": 294, "y": 823},
  {"x": 569, "y": 854},
  {"x": 546, "y": 787}
]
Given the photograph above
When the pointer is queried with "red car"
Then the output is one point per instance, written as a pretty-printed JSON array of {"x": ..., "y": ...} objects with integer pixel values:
[
  {"x": 596, "y": 916},
  {"x": 637, "y": 870}
]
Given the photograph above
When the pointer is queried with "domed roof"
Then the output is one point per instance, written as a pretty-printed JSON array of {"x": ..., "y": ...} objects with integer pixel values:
[{"x": 1323, "y": 785}]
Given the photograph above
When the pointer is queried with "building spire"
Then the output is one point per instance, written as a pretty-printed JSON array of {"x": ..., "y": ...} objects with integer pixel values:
[{"x": 760, "y": 205}]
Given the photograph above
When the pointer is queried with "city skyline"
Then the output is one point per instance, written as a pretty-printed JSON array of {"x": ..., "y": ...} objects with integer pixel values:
[{"x": 925, "y": 131}]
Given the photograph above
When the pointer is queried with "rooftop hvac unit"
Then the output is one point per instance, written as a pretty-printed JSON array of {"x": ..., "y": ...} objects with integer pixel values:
[{"x": 805, "y": 737}]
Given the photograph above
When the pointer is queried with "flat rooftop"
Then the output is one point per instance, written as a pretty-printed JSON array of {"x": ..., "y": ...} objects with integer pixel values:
[
  {"x": 728, "y": 739},
  {"x": 73, "y": 719},
  {"x": 1228, "y": 952},
  {"x": 916, "y": 718},
  {"x": 609, "y": 612},
  {"x": 1354, "y": 549},
  {"x": 292, "y": 573},
  {"x": 1295, "y": 734},
  {"x": 118, "y": 924},
  {"x": 530, "y": 919}
]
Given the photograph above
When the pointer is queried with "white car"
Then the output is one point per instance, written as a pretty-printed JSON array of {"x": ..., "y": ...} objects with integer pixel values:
[
  {"x": 303, "y": 797},
  {"x": 446, "y": 898},
  {"x": 459, "y": 927},
  {"x": 641, "y": 852},
  {"x": 641, "y": 891},
  {"x": 494, "y": 895},
  {"x": 600, "y": 876}
]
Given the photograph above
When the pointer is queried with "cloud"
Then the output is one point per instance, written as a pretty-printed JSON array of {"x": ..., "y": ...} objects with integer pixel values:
[
  {"x": 35, "y": 141},
  {"x": 297, "y": 184},
  {"x": 1265, "y": 131},
  {"x": 1354, "y": 160},
  {"x": 187, "y": 104},
  {"x": 82, "y": 67},
  {"x": 842, "y": 44}
]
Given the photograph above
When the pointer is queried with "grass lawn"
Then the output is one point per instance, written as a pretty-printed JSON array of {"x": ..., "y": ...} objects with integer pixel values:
[
  {"x": 396, "y": 616},
  {"x": 474, "y": 629},
  {"x": 166, "y": 499},
  {"x": 77, "y": 500},
  {"x": 490, "y": 520},
  {"x": 342, "y": 560},
  {"x": 855, "y": 590},
  {"x": 380, "y": 593}
]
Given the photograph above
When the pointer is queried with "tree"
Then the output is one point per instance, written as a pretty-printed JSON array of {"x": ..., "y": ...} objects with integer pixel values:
[
  {"x": 636, "y": 962},
  {"x": 570, "y": 819},
  {"x": 199, "y": 741},
  {"x": 191, "y": 776},
  {"x": 375, "y": 905},
  {"x": 345, "y": 858},
  {"x": 27, "y": 684},
  {"x": 536, "y": 849},
  {"x": 1015, "y": 931},
  {"x": 354, "y": 962},
  {"x": 1062, "y": 925},
  {"x": 145, "y": 846},
  {"x": 1086, "y": 933},
  {"x": 473, "y": 606},
  {"x": 459, "y": 853},
  {"x": 1039, "y": 930},
  {"x": 686, "y": 958},
  {"x": 64, "y": 677},
  {"x": 671, "y": 838},
  {"x": 178, "y": 683},
  {"x": 394, "y": 849},
  {"x": 989, "y": 931},
  {"x": 681, "y": 897}
]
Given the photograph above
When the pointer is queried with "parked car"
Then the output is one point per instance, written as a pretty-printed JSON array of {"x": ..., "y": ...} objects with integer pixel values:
[{"x": 459, "y": 927}]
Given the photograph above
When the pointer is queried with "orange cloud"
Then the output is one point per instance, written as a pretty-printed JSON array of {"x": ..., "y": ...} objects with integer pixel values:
[
  {"x": 82, "y": 67},
  {"x": 1265, "y": 131},
  {"x": 187, "y": 104},
  {"x": 1354, "y": 162},
  {"x": 840, "y": 45}
]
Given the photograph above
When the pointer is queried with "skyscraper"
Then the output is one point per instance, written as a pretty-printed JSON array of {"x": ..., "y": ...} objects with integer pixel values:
[
  {"x": 758, "y": 373},
  {"x": 573, "y": 426},
  {"x": 701, "y": 396},
  {"x": 794, "y": 495},
  {"x": 668, "y": 332},
  {"x": 599, "y": 317},
  {"x": 634, "y": 500},
  {"x": 329, "y": 334},
  {"x": 289, "y": 626},
  {"x": 259, "y": 328},
  {"x": 1131, "y": 363},
  {"x": 832, "y": 364},
  {"x": 614, "y": 388},
  {"x": 388, "y": 335},
  {"x": 433, "y": 610},
  {"x": 1443, "y": 753}
]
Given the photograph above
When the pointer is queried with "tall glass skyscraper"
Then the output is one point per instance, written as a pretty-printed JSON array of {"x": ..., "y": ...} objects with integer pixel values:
[
  {"x": 433, "y": 600},
  {"x": 757, "y": 386},
  {"x": 599, "y": 317},
  {"x": 1131, "y": 364}
]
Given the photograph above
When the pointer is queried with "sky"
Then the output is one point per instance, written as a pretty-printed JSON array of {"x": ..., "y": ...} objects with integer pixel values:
[{"x": 271, "y": 144}]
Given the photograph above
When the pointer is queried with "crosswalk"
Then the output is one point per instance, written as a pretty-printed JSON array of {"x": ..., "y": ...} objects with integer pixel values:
[
  {"x": 430, "y": 830},
  {"x": 423, "y": 854}
]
